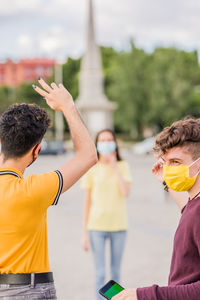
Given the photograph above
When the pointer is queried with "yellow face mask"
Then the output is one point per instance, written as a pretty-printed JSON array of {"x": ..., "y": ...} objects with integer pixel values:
[{"x": 177, "y": 178}]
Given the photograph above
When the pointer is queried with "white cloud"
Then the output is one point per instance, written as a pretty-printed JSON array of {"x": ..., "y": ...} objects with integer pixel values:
[
  {"x": 25, "y": 45},
  {"x": 56, "y": 42},
  {"x": 12, "y": 7},
  {"x": 58, "y": 27},
  {"x": 25, "y": 40},
  {"x": 52, "y": 43}
]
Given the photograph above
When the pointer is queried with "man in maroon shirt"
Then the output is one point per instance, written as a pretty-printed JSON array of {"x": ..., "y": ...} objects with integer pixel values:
[{"x": 178, "y": 147}]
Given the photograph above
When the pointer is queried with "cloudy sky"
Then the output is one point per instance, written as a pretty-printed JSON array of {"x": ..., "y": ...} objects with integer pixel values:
[{"x": 57, "y": 28}]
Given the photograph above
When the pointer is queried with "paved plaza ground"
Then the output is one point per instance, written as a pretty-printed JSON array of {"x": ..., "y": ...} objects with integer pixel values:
[{"x": 152, "y": 223}]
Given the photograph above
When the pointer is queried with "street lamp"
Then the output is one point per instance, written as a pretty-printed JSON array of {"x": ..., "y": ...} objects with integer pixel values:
[{"x": 59, "y": 123}]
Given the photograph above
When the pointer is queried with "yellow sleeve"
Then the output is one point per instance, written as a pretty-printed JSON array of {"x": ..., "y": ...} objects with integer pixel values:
[
  {"x": 86, "y": 181},
  {"x": 125, "y": 171},
  {"x": 44, "y": 189}
]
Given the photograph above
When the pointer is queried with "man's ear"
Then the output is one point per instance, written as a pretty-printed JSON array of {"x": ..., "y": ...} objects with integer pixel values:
[{"x": 38, "y": 149}]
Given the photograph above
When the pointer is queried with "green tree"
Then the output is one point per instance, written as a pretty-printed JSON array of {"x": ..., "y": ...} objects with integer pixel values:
[
  {"x": 70, "y": 76},
  {"x": 25, "y": 93},
  {"x": 7, "y": 97},
  {"x": 174, "y": 74},
  {"x": 150, "y": 89},
  {"x": 128, "y": 85}
]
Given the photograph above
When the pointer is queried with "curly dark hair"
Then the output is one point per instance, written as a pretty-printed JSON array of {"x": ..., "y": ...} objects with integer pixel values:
[
  {"x": 21, "y": 127},
  {"x": 183, "y": 133},
  {"x": 114, "y": 138}
]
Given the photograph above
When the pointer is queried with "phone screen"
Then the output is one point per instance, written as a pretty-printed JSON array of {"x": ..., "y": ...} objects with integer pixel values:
[{"x": 111, "y": 289}]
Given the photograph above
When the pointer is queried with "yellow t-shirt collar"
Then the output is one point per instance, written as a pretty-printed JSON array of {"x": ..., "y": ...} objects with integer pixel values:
[{"x": 11, "y": 171}]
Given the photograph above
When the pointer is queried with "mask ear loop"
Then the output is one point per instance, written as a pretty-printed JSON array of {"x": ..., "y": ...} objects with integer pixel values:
[
  {"x": 193, "y": 164},
  {"x": 197, "y": 173}
]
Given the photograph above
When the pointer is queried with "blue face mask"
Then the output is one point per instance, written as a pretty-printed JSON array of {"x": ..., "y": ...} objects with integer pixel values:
[{"x": 105, "y": 148}]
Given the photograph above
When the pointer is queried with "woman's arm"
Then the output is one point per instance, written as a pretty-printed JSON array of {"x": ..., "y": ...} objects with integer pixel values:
[
  {"x": 86, "y": 211},
  {"x": 124, "y": 186}
]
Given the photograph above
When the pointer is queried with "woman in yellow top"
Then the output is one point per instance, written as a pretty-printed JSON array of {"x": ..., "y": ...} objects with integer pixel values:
[{"x": 106, "y": 185}]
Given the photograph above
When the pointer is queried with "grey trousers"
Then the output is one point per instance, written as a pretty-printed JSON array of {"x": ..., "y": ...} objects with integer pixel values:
[{"x": 26, "y": 292}]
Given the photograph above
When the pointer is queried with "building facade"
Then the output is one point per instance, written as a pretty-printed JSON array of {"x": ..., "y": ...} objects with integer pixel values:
[{"x": 13, "y": 74}]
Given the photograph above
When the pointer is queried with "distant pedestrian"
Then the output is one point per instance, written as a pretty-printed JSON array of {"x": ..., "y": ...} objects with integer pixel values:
[{"x": 106, "y": 185}]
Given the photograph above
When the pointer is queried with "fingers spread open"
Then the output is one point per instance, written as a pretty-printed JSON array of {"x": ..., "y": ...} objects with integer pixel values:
[
  {"x": 45, "y": 85},
  {"x": 61, "y": 86},
  {"x": 53, "y": 85},
  {"x": 41, "y": 92}
]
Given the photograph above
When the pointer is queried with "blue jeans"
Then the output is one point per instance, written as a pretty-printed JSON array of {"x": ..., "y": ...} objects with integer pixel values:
[
  {"x": 26, "y": 292},
  {"x": 117, "y": 243}
]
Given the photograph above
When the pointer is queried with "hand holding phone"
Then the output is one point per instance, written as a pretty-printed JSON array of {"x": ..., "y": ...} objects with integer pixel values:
[{"x": 110, "y": 289}]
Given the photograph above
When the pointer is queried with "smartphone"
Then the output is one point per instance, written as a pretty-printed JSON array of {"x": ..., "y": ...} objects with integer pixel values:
[{"x": 110, "y": 289}]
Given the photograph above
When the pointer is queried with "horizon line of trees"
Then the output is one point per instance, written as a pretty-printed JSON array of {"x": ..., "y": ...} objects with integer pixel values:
[{"x": 151, "y": 90}]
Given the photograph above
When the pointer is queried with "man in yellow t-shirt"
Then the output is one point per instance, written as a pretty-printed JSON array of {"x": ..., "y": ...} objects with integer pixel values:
[{"x": 24, "y": 263}]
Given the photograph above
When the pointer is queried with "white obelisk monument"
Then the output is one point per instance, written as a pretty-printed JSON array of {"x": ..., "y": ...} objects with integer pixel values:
[{"x": 94, "y": 107}]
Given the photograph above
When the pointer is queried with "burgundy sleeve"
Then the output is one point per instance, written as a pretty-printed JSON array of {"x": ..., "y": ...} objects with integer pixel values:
[
  {"x": 178, "y": 292},
  {"x": 196, "y": 231}
]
